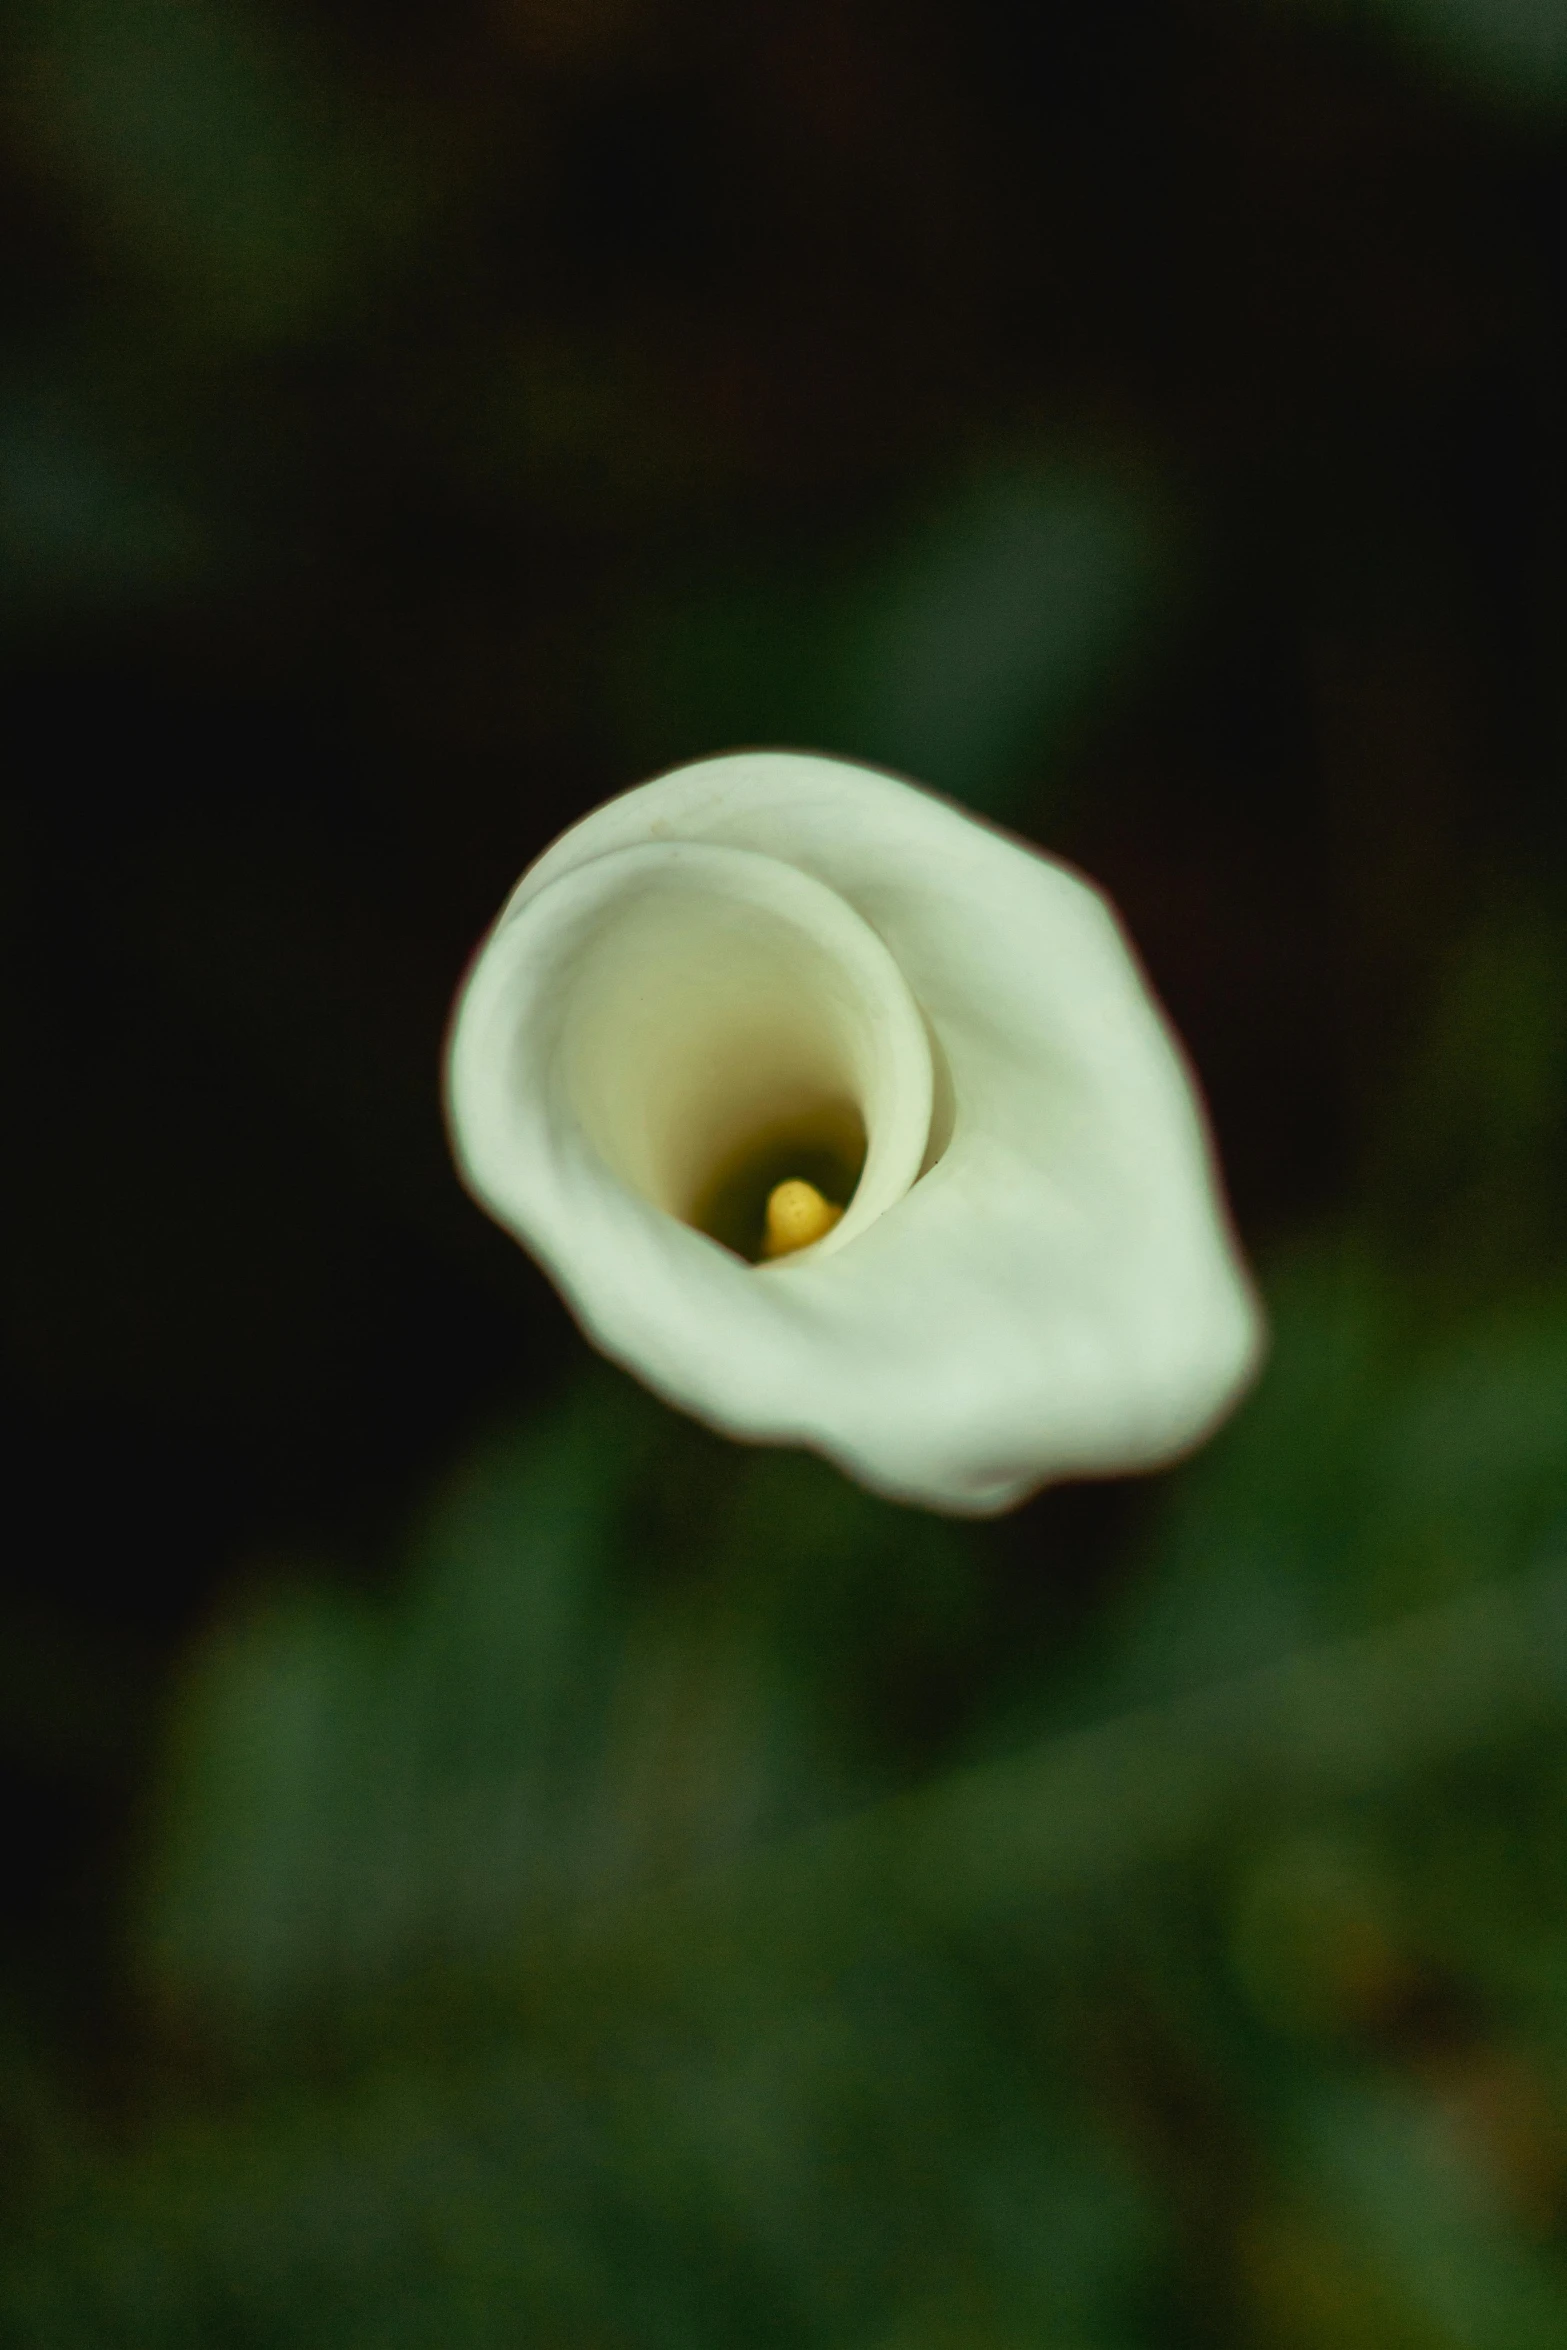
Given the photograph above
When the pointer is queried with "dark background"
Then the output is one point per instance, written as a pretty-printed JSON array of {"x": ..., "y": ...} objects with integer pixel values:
[{"x": 418, "y": 423}]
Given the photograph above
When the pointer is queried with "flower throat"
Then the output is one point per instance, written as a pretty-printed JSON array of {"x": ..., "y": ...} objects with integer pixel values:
[{"x": 752, "y": 1205}]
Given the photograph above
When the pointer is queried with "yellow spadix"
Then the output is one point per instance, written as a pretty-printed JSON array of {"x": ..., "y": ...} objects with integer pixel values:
[{"x": 797, "y": 1214}]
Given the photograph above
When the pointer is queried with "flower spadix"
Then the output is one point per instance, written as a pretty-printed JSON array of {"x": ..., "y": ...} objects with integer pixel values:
[{"x": 844, "y": 1120}]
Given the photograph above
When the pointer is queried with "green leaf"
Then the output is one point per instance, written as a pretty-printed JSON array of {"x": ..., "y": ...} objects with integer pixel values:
[
  {"x": 230, "y": 168},
  {"x": 957, "y": 653}
]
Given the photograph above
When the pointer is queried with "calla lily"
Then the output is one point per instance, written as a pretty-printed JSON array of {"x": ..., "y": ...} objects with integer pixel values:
[{"x": 770, "y": 987}]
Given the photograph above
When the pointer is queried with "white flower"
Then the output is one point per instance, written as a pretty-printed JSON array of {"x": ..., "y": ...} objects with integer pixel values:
[{"x": 773, "y": 966}]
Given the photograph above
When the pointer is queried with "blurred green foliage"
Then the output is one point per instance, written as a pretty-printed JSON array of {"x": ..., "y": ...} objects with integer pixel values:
[
  {"x": 494, "y": 1864},
  {"x": 80, "y": 527},
  {"x": 244, "y": 179},
  {"x": 959, "y": 656},
  {"x": 1514, "y": 51},
  {"x": 565, "y": 1707},
  {"x": 588, "y": 1941}
]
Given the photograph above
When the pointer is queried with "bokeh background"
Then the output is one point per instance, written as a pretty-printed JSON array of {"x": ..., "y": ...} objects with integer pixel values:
[{"x": 486, "y": 1862}]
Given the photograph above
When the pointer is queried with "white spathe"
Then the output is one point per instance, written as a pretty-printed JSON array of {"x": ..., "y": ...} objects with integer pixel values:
[{"x": 1035, "y": 1276}]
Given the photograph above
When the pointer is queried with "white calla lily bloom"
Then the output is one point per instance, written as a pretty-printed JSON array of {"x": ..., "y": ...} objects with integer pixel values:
[{"x": 767, "y": 988}]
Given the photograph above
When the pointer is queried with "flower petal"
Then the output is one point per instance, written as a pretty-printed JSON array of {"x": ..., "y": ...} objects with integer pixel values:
[{"x": 1056, "y": 1295}]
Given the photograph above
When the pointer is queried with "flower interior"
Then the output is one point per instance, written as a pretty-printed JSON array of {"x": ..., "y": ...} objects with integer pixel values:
[
  {"x": 825, "y": 1151},
  {"x": 718, "y": 1046}
]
